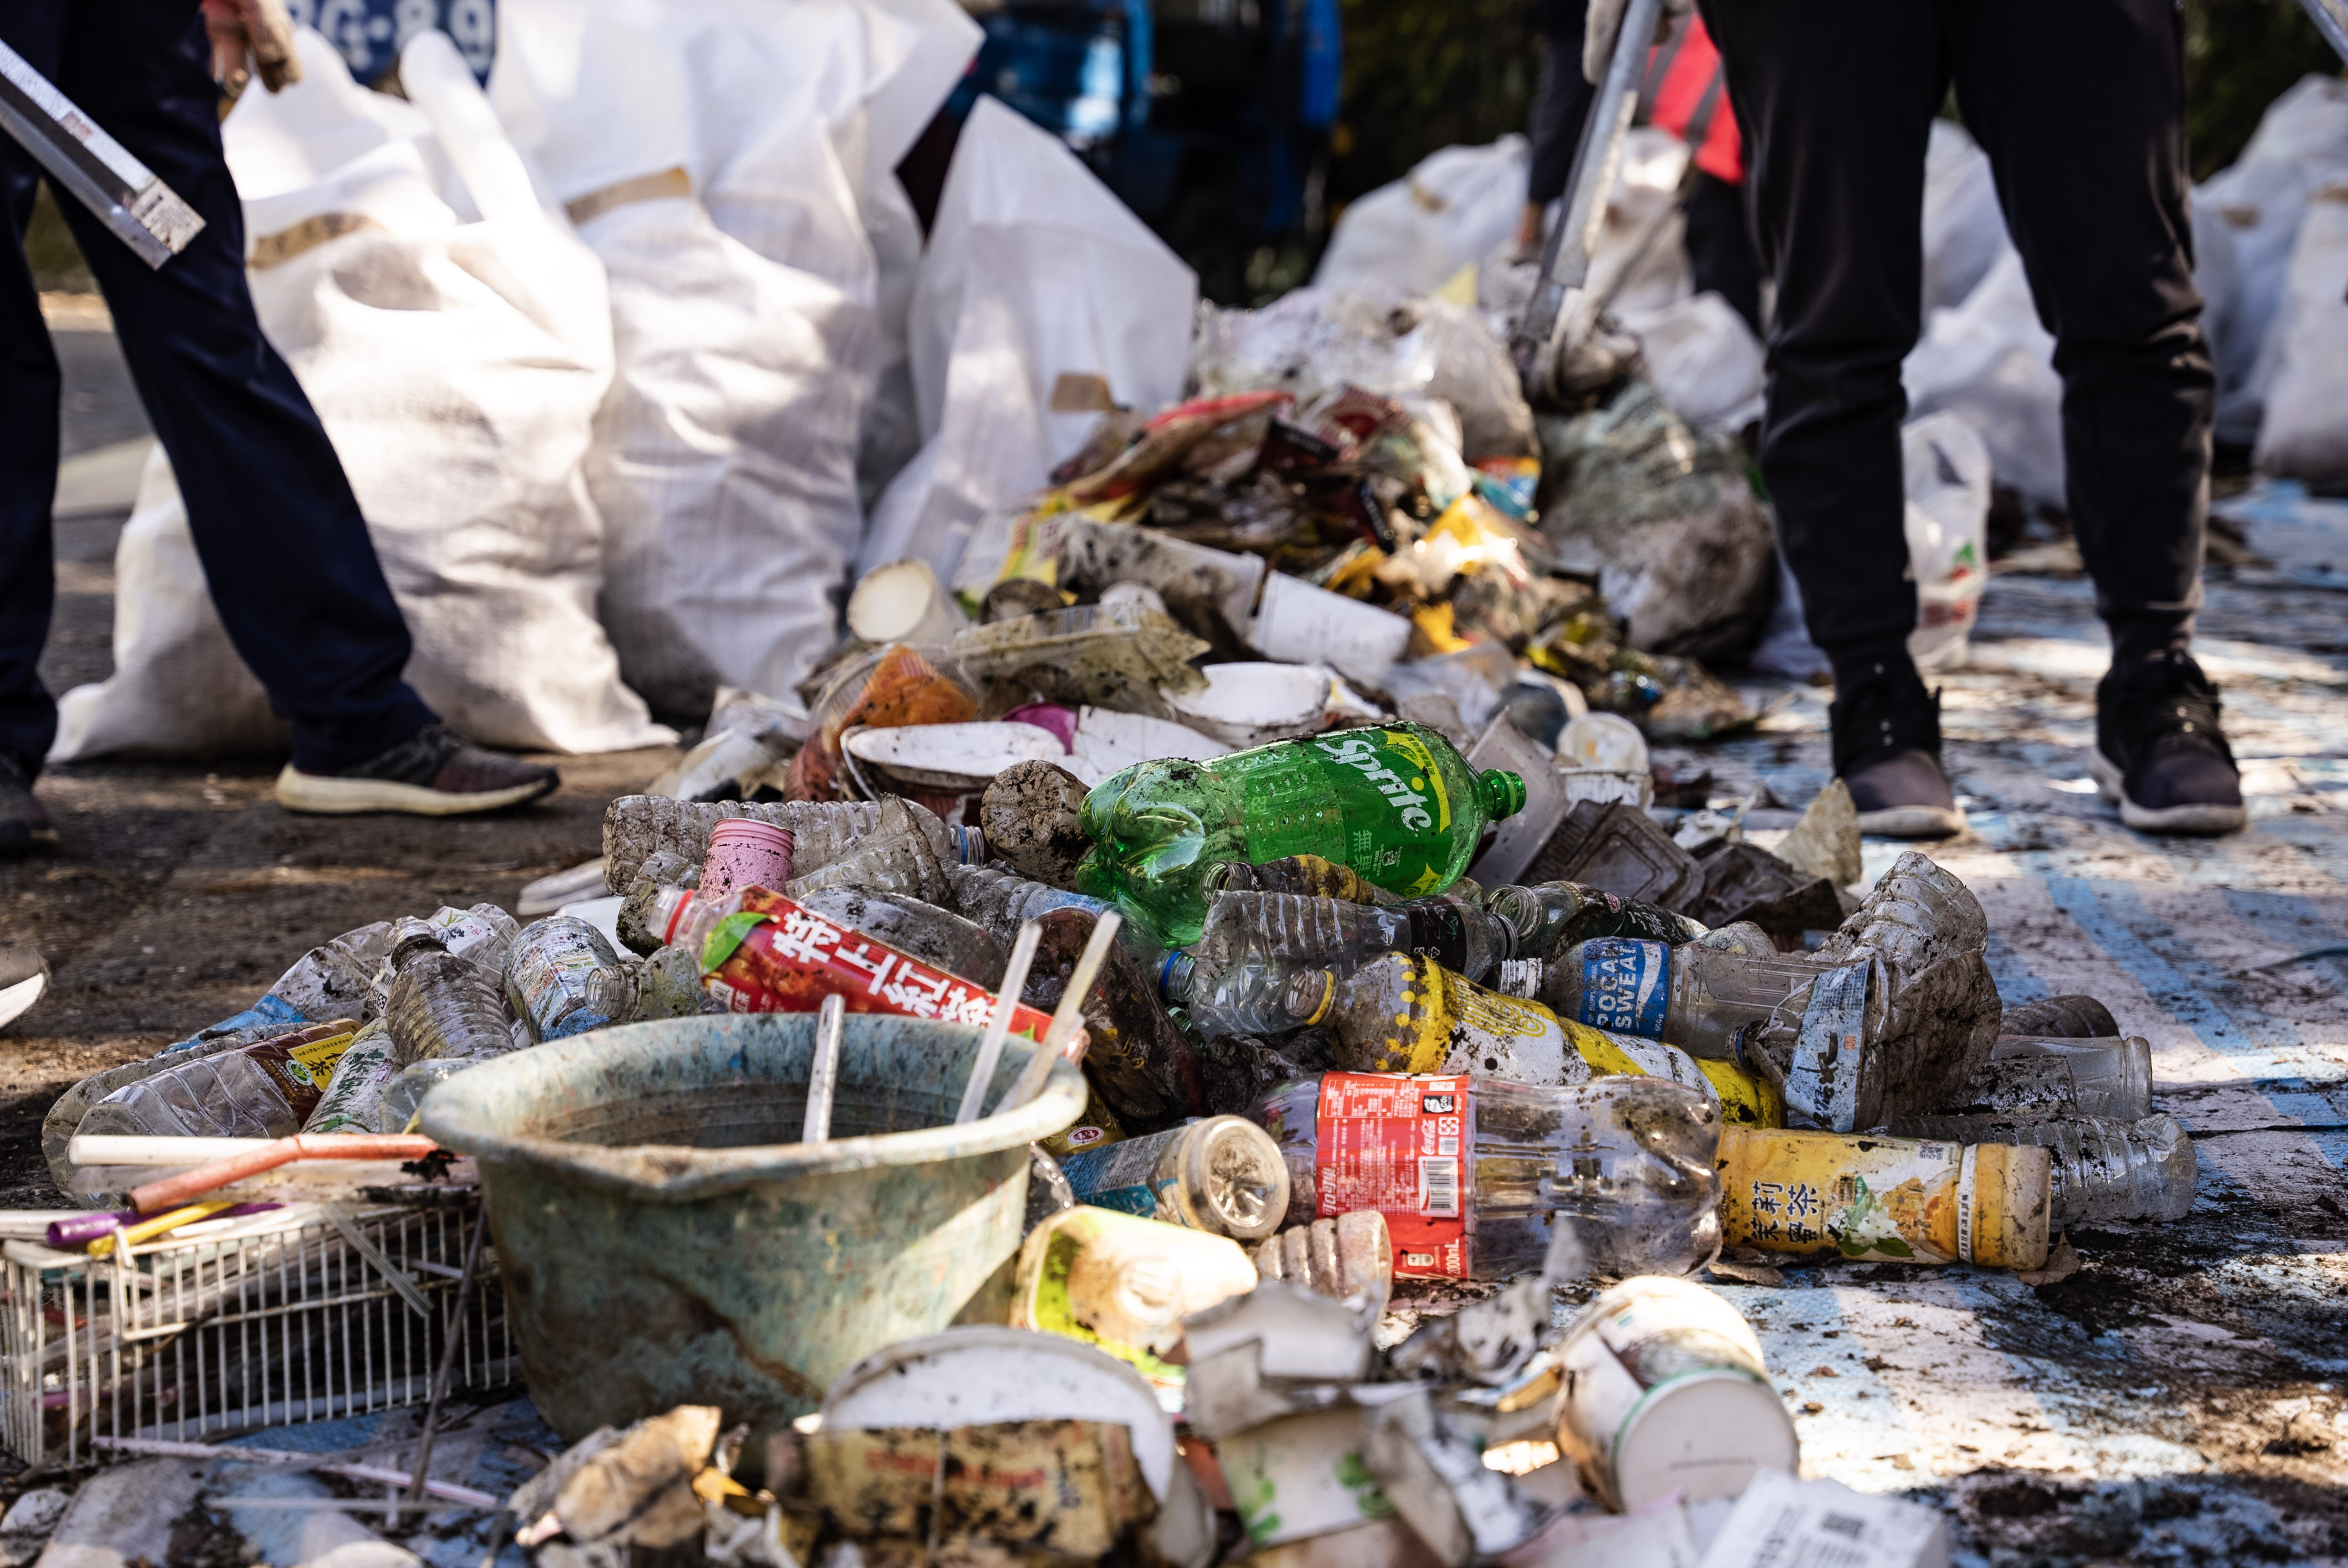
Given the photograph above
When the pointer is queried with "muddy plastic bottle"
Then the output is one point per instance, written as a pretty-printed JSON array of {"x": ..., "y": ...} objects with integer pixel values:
[
  {"x": 892, "y": 863},
  {"x": 1548, "y": 916},
  {"x": 668, "y": 985},
  {"x": 1407, "y": 1014},
  {"x": 637, "y": 826},
  {"x": 637, "y": 921},
  {"x": 2113, "y": 1076},
  {"x": 1234, "y": 979},
  {"x": 442, "y": 1005},
  {"x": 1306, "y": 874},
  {"x": 2059, "y": 1017},
  {"x": 1472, "y": 1173},
  {"x": 564, "y": 978},
  {"x": 1696, "y": 998},
  {"x": 1223, "y": 1174},
  {"x": 1000, "y": 901},
  {"x": 1396, "y": 802},
  {"x": 263, "y": 1091},
  {"x": 937, "y": 937},
  {"x": 2104, "y": 1169},
  {"x": 354, "y": 1096}
]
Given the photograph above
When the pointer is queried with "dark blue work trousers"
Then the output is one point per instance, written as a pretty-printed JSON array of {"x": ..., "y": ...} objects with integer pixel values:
[{"x": 284, "y": 547}]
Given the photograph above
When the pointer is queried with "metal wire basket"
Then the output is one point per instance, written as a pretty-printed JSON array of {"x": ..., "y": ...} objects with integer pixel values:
[{"x": 307, "y": 1313}]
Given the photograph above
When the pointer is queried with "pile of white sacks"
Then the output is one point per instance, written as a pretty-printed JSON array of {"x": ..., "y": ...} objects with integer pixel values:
[{"x": 632, "y": 356}]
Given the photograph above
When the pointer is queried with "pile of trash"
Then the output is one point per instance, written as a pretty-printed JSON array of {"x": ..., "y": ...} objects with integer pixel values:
[{"x": 1270, "y": 1121}]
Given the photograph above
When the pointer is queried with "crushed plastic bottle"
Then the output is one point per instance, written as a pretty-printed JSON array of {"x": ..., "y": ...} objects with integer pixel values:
[
  {"x": 1224, "y": 1175},
  {"x": 2105, "y": 1170},
  {"x": 562, "y": 979},
  {"x": 354, "y": 1096},
  {"x": 1407, "y": 1014},
  {"x": 1472, "y": 1173},
  {"x": 1234, "y": 979},
  {"x": 1336, "y": 1257},
  {"x": 1549, "y": 915},
  {"x": 642, "y": 909},
  {"x": 1139, "y": 1061},
  {"x": 891, "y": 863},
  {"x": 2071, "y": 1017},
  {"x": 1396, "y": 802},
  {"x": 443, "y": 1006},
  {"x": 262, "y": 1091},
  {"x": 2112, "y": 1077},
  {"x": 937, "y": 937},
  {"x": 668, "y": 985},
  {"x": 1306, "y": 874},
  {"x": 1000, "y": 901},
  {"x": 1698, "y": 998}
]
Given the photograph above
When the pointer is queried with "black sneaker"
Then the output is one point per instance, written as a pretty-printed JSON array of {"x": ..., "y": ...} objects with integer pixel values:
[
  {"x": 24, "y": 823},
  {"x": 2160, "y": 755},
  {"x": 24, "y": 976},
  {"x": 1887, "y": 751},
  {"x": 433, "y": 772}
]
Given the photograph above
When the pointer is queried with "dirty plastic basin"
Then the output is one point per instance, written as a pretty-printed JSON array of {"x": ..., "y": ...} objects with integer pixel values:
[{"x": 665, "y": 1238}]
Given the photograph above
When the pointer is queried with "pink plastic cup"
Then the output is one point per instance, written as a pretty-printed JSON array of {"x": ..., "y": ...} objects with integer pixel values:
[{"x": 744, "y": 853}]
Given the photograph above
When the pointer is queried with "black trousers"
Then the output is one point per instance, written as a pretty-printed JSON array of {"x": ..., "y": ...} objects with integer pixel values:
[
  {"x": 2079, "y": 105},
  {"x": 1561, "y": 101},
  {"x": 284, "y": 547}
]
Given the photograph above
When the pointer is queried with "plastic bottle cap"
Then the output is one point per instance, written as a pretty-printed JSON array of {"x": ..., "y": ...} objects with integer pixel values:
[{"x": 1502, "y": 792}]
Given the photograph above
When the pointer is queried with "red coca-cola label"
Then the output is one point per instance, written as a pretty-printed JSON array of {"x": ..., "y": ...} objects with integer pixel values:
[
  {"x": 1400, "y": 1145},
  {"x": 790, "y": 962}
]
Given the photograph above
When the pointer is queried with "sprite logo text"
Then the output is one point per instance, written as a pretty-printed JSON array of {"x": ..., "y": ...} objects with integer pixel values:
[{"x": 1356, "y": 750}]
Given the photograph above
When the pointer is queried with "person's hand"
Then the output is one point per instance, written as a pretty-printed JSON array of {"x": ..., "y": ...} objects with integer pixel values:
[{"x": 254, "y": 31}]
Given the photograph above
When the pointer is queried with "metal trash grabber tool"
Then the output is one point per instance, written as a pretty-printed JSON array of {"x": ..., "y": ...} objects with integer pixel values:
[{"x": 128, "y": 197}]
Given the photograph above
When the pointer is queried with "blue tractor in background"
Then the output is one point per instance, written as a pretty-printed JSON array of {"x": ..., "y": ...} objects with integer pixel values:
[{"x": 1210, "y": 119}]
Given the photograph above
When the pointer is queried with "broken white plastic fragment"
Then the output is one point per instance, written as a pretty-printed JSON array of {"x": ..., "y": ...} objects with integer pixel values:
[{"x": 952, "y": 757}]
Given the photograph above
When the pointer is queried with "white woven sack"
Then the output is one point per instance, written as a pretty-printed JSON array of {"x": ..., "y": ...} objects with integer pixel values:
[
  {"x": 456, "y": 367},
  {"x": 1034, "y": 272},
  {"x": 2305, "y": 436},
  {"x": 1455, "y": 207},
  {"x": 725, "y": 456}
]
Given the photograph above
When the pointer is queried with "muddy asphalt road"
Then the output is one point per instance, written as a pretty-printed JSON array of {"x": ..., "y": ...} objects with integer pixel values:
[{"x": 2176, "y": 1400}]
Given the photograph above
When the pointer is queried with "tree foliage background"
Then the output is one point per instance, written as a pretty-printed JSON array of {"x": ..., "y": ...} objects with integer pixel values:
[{"x": 1425, "y": 73}]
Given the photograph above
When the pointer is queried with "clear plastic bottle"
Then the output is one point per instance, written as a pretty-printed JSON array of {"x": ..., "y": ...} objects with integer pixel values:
[
  {"x": 564, "y": 978},
  {"x": 2105, "y": 1170},
  {"x": 1223, "y": 1174},
  {"x": 1234, "y": 979},
  {"x": 441, "y": 1005},
  {"x": 890, "y": 863},
  {"x": 261, "y": 1090},
  {"x": 1628, "y": 1161},
  {"x": 1548, "y": 916},
  {"x": 1698, "y": 998},
  {"x": 2071, "y": 1017},
  {"x": 1306, "y": 874},
  {"x": 1000, "y": 901},
  {"x": 936, "y": 937},
  {"x": 662, "y": 872},
  {"x": 668, "y": 985},
  {"x": 2113, "y": 1076},
  {"x": 353, "y": 1097}
]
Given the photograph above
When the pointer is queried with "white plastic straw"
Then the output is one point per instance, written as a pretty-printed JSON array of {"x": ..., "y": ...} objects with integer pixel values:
[
  {"x": 998, "y": 1025},
  {"x": 823, "y": 1078},
  {"x": 1065, "y": 1020}
]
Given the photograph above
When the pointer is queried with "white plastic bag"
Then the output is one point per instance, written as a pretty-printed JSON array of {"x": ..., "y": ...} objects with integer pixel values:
[
  {"x": 1964, "y": 230},
  {"x": 2300, "y": 147},
  {"x": 1992, "y": 361},
  {"x": 1456, "y": 207},
  {"x": 724, "y": 459},
  {"x": 1034, "y": 272},
  {"x": 456, "y": 368},
  {"x": 1704, "y": 359},
  {"x": 2305, "y": 434},
  {"x": 1947, "y": 471}
]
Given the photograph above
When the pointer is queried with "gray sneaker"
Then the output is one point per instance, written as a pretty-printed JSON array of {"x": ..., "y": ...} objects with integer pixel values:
[{"x": 434, "y": 773}]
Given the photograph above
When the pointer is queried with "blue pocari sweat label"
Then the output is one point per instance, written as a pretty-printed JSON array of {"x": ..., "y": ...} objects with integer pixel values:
[
  {"x": 1121, "y": 1176},
  {"x": 1625, "y": 985}
]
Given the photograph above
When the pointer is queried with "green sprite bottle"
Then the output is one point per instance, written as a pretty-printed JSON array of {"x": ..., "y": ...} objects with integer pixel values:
[{"x": 1396, "y": 802}]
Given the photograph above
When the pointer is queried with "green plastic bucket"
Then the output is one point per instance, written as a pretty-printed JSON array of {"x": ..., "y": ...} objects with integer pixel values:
[{"x": 665, "y": 1238}]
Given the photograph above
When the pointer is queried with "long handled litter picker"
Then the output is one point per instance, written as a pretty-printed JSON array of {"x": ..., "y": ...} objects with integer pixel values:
[
  {"x": 144, "y": 213},
  {"x": 1565, "y": 259}
]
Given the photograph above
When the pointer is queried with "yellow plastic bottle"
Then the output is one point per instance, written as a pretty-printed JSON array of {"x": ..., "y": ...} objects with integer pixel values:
[{"x": 1891, "y": 1200}]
